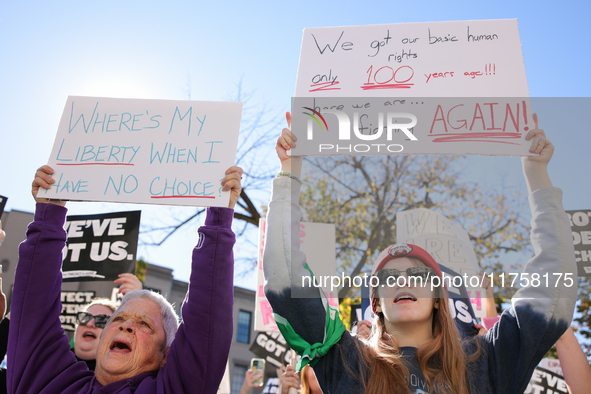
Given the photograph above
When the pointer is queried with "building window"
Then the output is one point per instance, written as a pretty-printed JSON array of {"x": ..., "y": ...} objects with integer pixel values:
[
  {"x": 243, "y": 331},
  {"x": 238, "y": 378}
]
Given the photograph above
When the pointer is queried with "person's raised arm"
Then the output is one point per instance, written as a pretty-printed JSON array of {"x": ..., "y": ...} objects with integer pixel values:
[
  {"x": 249, "y": 378},
  {"x": 574, "y": 364},
  {"x": 197, "y": 358},
  {"x": 535, "y": 168},
  {"x": 302, "y": 314},
  {"x": 543, "y": 307},
  {"x": 290, "y": 165},
  {"x": 39, "y": 350}
]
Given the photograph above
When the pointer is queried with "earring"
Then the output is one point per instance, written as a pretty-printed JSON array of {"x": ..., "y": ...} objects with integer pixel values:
[{"x": 436, "y": 305}]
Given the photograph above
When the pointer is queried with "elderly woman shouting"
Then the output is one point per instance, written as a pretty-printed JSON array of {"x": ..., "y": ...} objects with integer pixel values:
[{"x": 141, "y": 350}]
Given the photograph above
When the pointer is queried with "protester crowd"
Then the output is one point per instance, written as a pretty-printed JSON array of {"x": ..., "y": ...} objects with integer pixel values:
[{"x": 411, "y": 346}]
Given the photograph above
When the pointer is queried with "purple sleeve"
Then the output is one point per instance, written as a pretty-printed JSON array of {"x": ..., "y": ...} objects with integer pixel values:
[
  {"x": 38, "y": 350},
  {"x": 197, "y": 358}
]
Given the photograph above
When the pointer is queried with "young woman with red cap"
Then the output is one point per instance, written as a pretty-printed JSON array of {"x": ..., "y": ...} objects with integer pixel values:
[{"x": 415, "y": 346}]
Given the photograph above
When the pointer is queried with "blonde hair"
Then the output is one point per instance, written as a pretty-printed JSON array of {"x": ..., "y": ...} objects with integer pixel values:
[
  {"x": 103, "y": 302},
  {"x": 304, "y": 380}
]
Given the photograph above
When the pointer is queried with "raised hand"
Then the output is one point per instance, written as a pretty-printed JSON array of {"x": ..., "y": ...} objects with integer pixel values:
[
  {"x": 129, "y": 282},
  {"x": 535, "y": 168},
  {"x": 249, "y": 378},
  {"x": 44, "y": 180},
  {"x": 231, "y": 182},
  {"x": 285, "y": 142}
]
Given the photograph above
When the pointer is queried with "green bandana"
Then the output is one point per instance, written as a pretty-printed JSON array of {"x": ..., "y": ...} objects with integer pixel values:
[{"x": 311, "y": 353}]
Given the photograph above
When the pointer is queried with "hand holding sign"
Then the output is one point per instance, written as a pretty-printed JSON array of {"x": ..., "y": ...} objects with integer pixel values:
[
  {"x": 286, "y": 141},
  {"x": 231, "y": 182},
  {"x": 288, "y": 380},
  {"x": 44, "y": 180},
  {"x": 535, "y": 168}
]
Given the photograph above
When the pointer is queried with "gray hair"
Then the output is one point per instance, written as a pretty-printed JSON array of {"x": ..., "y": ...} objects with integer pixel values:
[{"x": 170, "y": 320}]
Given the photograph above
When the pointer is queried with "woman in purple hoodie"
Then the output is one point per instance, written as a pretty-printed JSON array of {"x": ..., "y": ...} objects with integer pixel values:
[{"x": 140, "y": 350}]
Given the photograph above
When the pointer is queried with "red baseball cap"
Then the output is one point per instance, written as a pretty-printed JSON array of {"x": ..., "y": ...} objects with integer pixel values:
[{"x": 394, "y": 252}]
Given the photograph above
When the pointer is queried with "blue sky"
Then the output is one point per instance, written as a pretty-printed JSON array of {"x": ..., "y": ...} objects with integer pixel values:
[{"x": 149, "y": 49}]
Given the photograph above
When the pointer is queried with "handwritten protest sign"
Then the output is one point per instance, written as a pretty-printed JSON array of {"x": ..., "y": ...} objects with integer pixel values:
[
  {"x": 580, "y": 222},
  {"x": 412, "y": 88},
  {"x": 447, "y": 242},
  {"x": 100, "y": 246},
  {"x": 445, "y": 59},
  {"x": 144, "y": 151},
  {"x": 318, "y": 242}
]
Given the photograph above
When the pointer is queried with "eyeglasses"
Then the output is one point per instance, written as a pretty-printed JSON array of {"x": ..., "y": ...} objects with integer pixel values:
[
  {"x": 389, "y": 276},
  {"x": 82, "y": 318}
]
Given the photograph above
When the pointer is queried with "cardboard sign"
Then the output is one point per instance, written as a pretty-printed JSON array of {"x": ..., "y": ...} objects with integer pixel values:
[
  {"x": 448, "y": 243},
  {"x": 2, "y": 204},
  {"x": 99, "y": 247},
  {"x": 580, "y": 223},
  {"x": 443, "y": 238},
  {"x": 72, "y": 303},
  {"x": 318, "y": 242},
  {"x": 144, "y": 151},
  {"x": 272, "y": 347},
  {"x": 412, "y": 88}
]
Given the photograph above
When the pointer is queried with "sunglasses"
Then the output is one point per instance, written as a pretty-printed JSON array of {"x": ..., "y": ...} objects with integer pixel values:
[
  {"x": 389, "y": 276},
  {"x": 82, "y": 318}
]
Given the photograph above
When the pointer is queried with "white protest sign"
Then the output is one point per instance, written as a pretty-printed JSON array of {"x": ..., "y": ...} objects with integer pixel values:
[
  {"x": 144, "y": 151},
  {"x": 462, "y": 83},
  {"x": 317, "y": 240},
  {"x": 432, "y": 59},
  {"x": 448, "y": 243}
]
